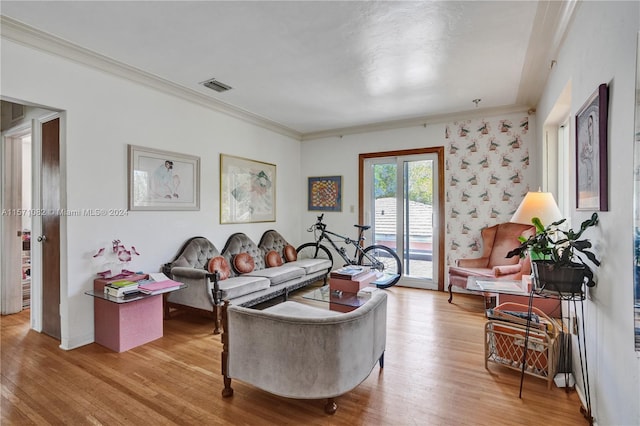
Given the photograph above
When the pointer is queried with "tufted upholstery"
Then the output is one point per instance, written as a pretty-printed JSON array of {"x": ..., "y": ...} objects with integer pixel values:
[
  {"x": 272, "y": 240},
  {"x": 195, "y": 253},
  {"x": 241, "y": 243},
  {"x": 204, "y": 292}
]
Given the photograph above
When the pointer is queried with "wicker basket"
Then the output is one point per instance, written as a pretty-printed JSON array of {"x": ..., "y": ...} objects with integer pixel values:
[{"x": 504, "y": 345}]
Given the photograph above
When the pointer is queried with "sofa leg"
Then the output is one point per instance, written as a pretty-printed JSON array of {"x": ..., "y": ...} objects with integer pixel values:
[
  {"x": 216, "y": 319},
  {"x": 331, "y": 406},
  {"x": 450, "y": 294},
  {"x": 381, "y": 360},
  {"x": 224, "y": 358},
  {"x": 228, "y": 390}
]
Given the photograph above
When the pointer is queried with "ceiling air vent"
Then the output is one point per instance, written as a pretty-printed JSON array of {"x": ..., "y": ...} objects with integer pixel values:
[{"x": 214, "y": 84}]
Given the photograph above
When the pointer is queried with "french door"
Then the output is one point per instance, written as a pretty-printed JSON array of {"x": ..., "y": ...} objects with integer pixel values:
[{"x": 401, "y": 201}]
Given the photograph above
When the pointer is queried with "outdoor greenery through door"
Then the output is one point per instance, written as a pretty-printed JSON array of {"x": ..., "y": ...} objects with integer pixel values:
[{"x": 401, "y": 197}]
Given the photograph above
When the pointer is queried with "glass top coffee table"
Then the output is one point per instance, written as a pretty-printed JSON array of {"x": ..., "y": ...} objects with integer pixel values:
[{"x": 336, "y": 299}]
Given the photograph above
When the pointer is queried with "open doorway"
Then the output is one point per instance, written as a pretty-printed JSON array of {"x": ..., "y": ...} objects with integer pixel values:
[
  {"x": 31, "y": 186},
  {"x": 17, "y": 226}
]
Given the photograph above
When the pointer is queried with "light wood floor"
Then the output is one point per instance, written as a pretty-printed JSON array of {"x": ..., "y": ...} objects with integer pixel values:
[{"x": 433, "y": 375}]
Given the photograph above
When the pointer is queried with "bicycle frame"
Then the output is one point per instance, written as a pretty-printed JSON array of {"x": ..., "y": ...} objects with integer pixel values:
[
  {"x": 380, "y": 258},
  {"x": 326, "y": 235}
]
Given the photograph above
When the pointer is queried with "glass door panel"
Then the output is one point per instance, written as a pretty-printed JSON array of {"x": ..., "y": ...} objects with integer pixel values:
[
  {"x": 385, "y": 223},
  {"x": 401, "y": 205},
  {"x": 418, "y": 219}
]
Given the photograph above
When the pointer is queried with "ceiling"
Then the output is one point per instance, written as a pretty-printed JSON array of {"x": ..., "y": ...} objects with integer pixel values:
[{"x": 316, "y": 67}]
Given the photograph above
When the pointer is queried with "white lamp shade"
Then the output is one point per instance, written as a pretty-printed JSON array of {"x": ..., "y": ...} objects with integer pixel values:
[{"x": 537, "y": 204}]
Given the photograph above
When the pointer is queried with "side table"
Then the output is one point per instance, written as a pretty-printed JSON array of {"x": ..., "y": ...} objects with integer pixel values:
[{"x": 122, "y": 323}]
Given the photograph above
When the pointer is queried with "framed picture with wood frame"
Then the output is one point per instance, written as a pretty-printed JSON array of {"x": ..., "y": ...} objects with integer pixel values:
[
  {"x": 247, "y": 190},
  {"x": 592, "y": 192}
]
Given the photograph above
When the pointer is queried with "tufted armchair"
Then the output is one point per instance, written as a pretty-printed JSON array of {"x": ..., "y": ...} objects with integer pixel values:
[{"x": 497, "y": 241}]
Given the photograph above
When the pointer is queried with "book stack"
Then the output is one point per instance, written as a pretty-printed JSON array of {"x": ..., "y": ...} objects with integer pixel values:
[
  {"x": 349, "y": 272},
  {"x": 121, "y": 288},
  {"x": 159, "y": 287}
]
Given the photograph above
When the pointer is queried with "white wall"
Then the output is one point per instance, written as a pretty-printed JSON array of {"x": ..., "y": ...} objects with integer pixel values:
[
  {"x": 104, "y": 113},
  {"x": 601, "y": 48},
  {"x": 339, "y": 156}
]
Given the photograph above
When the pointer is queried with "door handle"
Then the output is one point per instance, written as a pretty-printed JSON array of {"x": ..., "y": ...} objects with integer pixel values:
[{"x": 42, "y": 238}]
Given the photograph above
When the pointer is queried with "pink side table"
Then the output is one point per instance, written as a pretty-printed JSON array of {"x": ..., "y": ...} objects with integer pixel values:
[{"x": 124, "y": 323}]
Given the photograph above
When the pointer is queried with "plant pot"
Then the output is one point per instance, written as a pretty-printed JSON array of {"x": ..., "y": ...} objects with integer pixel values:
[{"x": 564, "y": 279}]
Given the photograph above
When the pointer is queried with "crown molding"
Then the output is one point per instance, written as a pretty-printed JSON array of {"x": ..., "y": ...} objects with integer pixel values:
[
  {"x": 549, "y": 30},
  {"x": 26, "y": 35},
  {"x": 418, "y": 121}
]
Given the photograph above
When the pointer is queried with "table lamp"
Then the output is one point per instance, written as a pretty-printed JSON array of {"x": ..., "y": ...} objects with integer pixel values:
[
  {"x": 537, "y": 204},
  {"x": 543, "y": 206}
]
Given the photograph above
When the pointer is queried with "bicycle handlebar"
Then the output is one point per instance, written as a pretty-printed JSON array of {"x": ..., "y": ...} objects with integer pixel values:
[{"x": 318, "y": 225}]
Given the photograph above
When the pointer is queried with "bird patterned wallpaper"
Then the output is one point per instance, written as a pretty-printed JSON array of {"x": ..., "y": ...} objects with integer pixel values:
[{"x": 487, "y": 174}]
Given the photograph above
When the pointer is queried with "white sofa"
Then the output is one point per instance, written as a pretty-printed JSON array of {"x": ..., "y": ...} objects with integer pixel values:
[
  {"x": 206, "y": 292},
  {"x": 299, "y": 351}
]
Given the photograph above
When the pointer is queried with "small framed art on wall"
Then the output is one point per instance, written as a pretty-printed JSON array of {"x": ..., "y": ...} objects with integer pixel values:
[{"x": 325, "y": 193}]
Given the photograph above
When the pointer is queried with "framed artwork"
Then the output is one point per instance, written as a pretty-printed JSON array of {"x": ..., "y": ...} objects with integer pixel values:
[
  {"x": 162, "y": 180},
  {"x": 591, "y": 152},
  {"x": 325, "y": 193},
  {"x": 636, "y": 208},
  {"x": 247, "y": 190}
]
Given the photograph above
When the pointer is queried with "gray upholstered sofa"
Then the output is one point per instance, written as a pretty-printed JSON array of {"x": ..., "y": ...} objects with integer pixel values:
[
  {"x": 299, "y": 351},
  {"x": 206, "y": 290}
]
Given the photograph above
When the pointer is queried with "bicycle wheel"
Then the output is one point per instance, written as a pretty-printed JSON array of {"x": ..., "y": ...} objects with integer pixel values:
[
  {"x": 383, "y": 259},
  {"x": 314, "y": 251}
]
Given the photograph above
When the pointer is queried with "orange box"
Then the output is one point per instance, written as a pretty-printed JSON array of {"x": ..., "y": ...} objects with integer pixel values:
[
  {"x": 340, "y": 308},
  {"x": 352, "y": 286}
]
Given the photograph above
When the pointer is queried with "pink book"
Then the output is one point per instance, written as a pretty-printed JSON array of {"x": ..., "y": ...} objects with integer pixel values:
[{"x": 159, "y": 286}]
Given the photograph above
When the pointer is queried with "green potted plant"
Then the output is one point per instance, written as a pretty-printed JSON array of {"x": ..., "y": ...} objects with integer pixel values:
[{"x": 559, "y": 257}]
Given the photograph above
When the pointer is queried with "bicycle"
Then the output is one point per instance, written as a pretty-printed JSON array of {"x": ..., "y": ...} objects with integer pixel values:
[{"x": 378, "y": 257}]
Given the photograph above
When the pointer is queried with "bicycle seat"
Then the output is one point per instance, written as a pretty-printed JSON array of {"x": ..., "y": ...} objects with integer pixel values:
[{"x": 363, "y": 227}]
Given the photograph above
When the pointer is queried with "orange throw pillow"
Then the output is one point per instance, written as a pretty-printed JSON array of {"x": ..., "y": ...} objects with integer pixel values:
[
  {"x": 273, "y": 259},
  {"x": 243, "y": 263},
  {"x": 221, "y": 265},
  {"x": 290, "y": 253}
]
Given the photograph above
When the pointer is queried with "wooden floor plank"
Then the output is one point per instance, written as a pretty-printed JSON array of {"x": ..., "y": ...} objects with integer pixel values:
[{"x": 434, "y": 374}]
